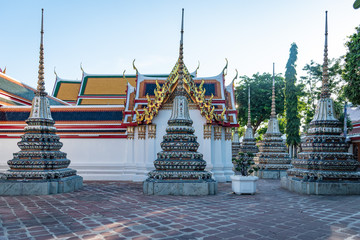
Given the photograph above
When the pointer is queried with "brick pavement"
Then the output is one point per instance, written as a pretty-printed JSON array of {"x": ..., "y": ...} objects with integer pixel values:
[{"x": 119, "y": 210}]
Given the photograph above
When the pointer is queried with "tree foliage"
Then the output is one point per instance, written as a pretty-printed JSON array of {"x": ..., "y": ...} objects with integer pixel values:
[
  {"x": 291, "y": 99},
  {"x": 351, "y": 72},
  {"x": 261, "y": 92}
]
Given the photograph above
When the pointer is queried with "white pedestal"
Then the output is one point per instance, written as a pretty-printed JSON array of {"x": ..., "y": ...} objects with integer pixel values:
[{"x": 244, "y": 184}]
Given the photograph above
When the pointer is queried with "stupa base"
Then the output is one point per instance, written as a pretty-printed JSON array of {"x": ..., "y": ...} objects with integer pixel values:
[
  {"x": 179, "y": 188},
  {"x": 270, "y": 174},
  {"x": 22, "y": 188},
  {"x": 321, "y": 188}
]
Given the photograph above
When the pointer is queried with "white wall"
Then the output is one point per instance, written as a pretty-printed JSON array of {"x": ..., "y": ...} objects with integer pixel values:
[
  {"x": 113, "y": 159},
  {"x": 8, "y": 146}
]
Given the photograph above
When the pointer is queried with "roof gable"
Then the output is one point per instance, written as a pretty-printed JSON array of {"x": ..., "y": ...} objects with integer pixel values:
[
  {"x": 21, "y": 91},
  {"x": 164, "y": 93}
]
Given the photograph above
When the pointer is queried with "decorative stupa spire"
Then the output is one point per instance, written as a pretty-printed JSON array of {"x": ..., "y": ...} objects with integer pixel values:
[
  {"x": 40, "y": 91},
  {"x": 180, "y": 86},
  {"x": 180, "y": 169},
  {"x": 324, "y": 166},
  {"x": 325, "y": 76},
  {"x": 273, "y": 125},
  {"x": 40, "y": 167},
  {"x": 249, "y": 111},
  {"x": 273, "y": 109},
  {"x": 272, "y": 158},
  {"x": 40, "y": 104},
  {"x": 248, "y": 144},
  {"x": 325, "y": 108}
]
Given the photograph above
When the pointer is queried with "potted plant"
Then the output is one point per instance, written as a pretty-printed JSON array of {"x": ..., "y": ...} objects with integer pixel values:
[{"x": 242, "y": 181}]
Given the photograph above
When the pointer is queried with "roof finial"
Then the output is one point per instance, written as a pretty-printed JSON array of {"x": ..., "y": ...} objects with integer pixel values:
[
  {"x": 325, "y": 76},
  {"x": 55, "y": 72},
  {"x": 225, "y": 68},
  {"x": 41, "y": 83},
  {"x": 81, "y": 67},
  {"x": 124, "y": 76},
  {"x": 273, "y": 112},
  {"x": 133, "y": 63},
  {"x": 233, "y": 81},
  {"x": 249, "y": 111},
  {"x": 197, "y": 68}
]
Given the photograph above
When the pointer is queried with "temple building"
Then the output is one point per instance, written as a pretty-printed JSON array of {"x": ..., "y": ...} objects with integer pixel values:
[
  {"x": 354, "y": 134},
  {"x": 40, "y": 167},
  {"x": 324, "y": 166},
  {"x": 272, "y": 158},
  {"x": 112, "y": 126}
]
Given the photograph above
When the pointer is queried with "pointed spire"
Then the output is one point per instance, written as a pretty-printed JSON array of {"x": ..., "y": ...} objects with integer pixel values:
[
  {"x": 180, "y": 86},
  {"x": 325, "y": 77},
  {"x": 182, "y": 27},
  {"x": 273, "y": 112},
  {"x": 249, "y": 111},
  {"x": 41, "y": 83}
]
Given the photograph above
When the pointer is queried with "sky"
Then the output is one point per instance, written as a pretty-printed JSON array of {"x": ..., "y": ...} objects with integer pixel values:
[{"x": 106, "y": 36}]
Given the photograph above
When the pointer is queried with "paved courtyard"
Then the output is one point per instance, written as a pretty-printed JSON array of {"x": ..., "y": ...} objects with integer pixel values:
[{"x": 119, "y": 210}]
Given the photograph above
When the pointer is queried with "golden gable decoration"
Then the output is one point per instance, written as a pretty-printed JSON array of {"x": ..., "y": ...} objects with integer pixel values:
[{"x": 162, "y": 93}]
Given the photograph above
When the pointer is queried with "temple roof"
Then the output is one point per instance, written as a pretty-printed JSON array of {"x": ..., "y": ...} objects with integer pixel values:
[
  {"x": 98, "y": 89},
  {"x": 65, "y": 114},
  {"x": 66, "y": 90},
  {"x": 196, "y": 94},
  {"x": 71, "y": 121},
  {"x": 13, "y": 92}
]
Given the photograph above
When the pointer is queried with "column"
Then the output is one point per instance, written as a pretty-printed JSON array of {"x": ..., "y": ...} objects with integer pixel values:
[
  {"x": 218, "y": 168},
  {"x": 227, "y": 153},
  {"x": 207, "y": 147},
  {"x": 150, "y": 147},
  {"x": 130, "y": 158},
  {"x": 139, "y": 151}
]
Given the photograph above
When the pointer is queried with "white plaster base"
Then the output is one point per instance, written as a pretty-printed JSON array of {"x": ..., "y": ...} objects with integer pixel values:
[
  {"x": 243, "y": 184},
  {"x": 124, "y": 159},
  {"x": 219, "y": 175}
]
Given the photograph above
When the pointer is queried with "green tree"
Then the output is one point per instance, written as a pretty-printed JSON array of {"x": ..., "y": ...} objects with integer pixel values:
[
  {"x": 291, "y": 102},
  {"x": 351, "y": 72},
  {"x": 356, "y": 4},
  {"x": 261, "y": 91}
]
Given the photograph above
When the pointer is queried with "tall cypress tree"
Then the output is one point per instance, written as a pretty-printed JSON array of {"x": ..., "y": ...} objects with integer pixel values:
[
  {"x": 351, "y": 73},
  {"x": 291, "y": 102}
]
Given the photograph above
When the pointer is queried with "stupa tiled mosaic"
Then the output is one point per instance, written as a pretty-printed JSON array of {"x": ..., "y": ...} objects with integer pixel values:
[
  {"x": 248, "y": 144},
  {"x": 39, "y": 167},
  {"x": 324, "y": 166},
  {"x": 179, "y": 168},
  {"x": 235, "y": 143},
  {"x": 272, "y": 158}
]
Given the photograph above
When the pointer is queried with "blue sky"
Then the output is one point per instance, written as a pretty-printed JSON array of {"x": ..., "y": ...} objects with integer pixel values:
[{"x": 107, "y": 35}]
